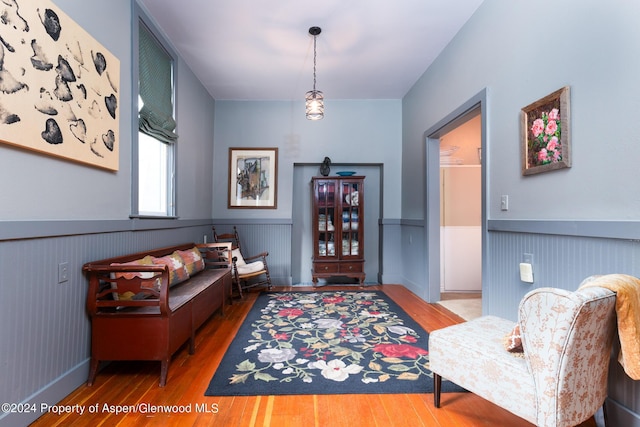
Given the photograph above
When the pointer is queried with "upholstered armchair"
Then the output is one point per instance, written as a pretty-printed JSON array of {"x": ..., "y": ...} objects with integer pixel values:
[{"x": 559, "y": 378}]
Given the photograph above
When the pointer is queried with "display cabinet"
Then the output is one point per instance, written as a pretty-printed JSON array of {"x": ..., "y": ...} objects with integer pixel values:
[{"x": 338, "y": 227}]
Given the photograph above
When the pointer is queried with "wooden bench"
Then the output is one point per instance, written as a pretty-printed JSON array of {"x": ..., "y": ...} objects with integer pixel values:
[{"x": 137, "y": 315}]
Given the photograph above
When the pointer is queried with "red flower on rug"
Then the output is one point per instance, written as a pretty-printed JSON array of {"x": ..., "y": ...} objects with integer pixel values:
[
  {"x": 290, "y": 312},
  {"x": 400, "y": 350}
]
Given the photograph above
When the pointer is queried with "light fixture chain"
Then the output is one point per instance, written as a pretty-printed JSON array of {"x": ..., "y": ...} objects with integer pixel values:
[{"x": 314, "y": 62}]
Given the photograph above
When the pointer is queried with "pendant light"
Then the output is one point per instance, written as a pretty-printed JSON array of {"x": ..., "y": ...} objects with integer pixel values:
[{"x": 314, "y": 98}]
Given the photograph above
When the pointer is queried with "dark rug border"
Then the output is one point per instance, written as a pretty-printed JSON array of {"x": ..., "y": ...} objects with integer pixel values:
[{"x": 218, "y": 385}]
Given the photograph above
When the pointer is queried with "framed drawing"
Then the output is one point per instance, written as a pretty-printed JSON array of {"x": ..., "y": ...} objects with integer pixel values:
[
  {"x": 253, "y": 178},
  {"x": 59, "y": 87},
  {"x": 546, "y": 143}
]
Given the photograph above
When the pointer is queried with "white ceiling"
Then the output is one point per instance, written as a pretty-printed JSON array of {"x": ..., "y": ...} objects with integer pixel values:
[{"x": 262, "y": 50}]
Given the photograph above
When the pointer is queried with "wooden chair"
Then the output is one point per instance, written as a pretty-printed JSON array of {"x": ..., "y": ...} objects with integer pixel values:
[{"x": 248, "y": 272}]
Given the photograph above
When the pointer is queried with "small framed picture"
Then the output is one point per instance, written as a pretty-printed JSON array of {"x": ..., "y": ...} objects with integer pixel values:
[
  {"x": 253, "y": 178},
  {"x": 546, "y": 143}
]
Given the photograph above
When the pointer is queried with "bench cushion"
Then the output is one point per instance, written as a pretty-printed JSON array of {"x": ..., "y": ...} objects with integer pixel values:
[
  {"x": 177, "y": 270},
  {"x": 193, "y": 261},
  {"x": 454, "y": 353}
]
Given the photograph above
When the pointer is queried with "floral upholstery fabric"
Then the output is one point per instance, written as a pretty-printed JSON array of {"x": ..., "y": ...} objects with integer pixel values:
[
  {"x": 472, "y": 355},
  {"x": 562, "y": 378}
]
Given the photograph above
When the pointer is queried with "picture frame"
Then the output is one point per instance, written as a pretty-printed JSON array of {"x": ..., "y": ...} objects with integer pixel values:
[
  {"x": 253, "y": 178},
  {"x": 545, "y": 134}
]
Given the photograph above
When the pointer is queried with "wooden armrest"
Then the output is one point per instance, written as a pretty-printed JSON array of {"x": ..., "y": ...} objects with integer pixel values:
[
  {"x": 262, "y": 255},
  {"x": 107, "y": 281},
  {"x": 216, "y": 255}
]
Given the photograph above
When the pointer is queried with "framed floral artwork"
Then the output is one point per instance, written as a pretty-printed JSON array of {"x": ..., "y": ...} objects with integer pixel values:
[
  {"x": 253, "y": 178},
  {"x": 546, "y": 143}
]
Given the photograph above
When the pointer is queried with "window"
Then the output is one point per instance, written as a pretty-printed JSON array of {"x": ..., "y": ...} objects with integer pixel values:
[{"x": 154, "y": 153}]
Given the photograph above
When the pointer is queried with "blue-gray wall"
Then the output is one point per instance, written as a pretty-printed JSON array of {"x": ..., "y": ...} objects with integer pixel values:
[
  {"x": 352, "y": 131},
  {"x": 505, "y": 48},
  {"x": 577, "y": 221},
  {"x": 54, "y": 211}
]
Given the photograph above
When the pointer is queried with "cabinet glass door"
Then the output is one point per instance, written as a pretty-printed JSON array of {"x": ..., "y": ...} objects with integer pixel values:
[
  {"x": 326, "y": 200},
  {"x": 350, "y": 213}
]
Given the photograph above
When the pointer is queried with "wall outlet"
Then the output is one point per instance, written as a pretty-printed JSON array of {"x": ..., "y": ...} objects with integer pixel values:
[{"x": 63, "y": 272}]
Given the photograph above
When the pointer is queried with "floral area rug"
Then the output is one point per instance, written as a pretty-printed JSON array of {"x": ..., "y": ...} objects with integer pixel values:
[{"x": 336, "y": 342}]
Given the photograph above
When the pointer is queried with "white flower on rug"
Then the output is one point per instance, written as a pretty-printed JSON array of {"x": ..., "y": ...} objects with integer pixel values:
[
  {"x": 251, "y": 348},
  {"x": 355, "y": 338},
  {"x": 376, "y": 314},
  {"x": 335, "y": 370},
  {"x": 401, "y": 330},
  {"x": 328, "y": 323},
  {"x": 275, "y": 355}
]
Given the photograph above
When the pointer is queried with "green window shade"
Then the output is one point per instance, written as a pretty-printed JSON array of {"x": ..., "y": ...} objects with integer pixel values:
[{"x": 155, "y": 77}]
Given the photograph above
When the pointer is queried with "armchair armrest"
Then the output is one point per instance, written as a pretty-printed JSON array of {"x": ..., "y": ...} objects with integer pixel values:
[
  {"x": 567, "y": 338},
  {"x": 262, "y": 255}
]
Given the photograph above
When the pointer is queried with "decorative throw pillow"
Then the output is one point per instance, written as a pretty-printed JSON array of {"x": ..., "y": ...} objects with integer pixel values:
[
  {"x": 148, "y": 260},
  {"x": 513, "y": 341},
  {"x": 193, "y": 261},
  {"x": 177, "y": 271}
]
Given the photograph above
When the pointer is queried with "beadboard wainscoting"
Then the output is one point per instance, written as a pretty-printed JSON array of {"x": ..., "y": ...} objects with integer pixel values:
[
  {"x": 44, "y": 326},
  {"x": 562, "y": 259}
]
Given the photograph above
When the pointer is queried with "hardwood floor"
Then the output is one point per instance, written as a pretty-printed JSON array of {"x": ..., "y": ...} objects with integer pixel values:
[{"x": 127, "y": 384}]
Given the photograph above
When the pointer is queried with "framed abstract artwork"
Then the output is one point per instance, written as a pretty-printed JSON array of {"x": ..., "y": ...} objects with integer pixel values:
[
  {"x": 59, "y": 87},
  {"x": 253, "y": 178},
  {"x": 545, "y": 132}
]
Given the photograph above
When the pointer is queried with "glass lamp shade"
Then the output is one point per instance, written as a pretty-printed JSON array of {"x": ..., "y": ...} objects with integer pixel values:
[{"x": 314, "y": 104}]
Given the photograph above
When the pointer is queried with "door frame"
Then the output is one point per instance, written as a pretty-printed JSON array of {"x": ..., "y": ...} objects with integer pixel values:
[{"x": 432, "y": 188}]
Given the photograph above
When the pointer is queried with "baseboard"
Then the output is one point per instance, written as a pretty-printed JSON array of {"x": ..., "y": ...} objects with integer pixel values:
[{"x": 49, "y": 395}]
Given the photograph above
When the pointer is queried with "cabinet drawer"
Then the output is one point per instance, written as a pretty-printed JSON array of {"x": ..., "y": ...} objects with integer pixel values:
[
  {"x": 325, "y": 267},
  {"x": 351, "y": 267}
]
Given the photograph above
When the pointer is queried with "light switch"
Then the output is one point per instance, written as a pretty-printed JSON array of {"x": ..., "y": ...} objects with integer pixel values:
[
  {"x": 526, "y": 272},
  {"x": 504, "y": 202}
]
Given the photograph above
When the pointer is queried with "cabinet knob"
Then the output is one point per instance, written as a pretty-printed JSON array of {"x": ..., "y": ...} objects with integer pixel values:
[
  {"x": 351, "y": 267},
  {"x": 326, "y": 267}
]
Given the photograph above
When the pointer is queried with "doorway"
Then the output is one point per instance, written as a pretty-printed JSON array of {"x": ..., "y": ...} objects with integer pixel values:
[
  {"x": 473, "y": 110},
  {"x": 461, "y": 207}
]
